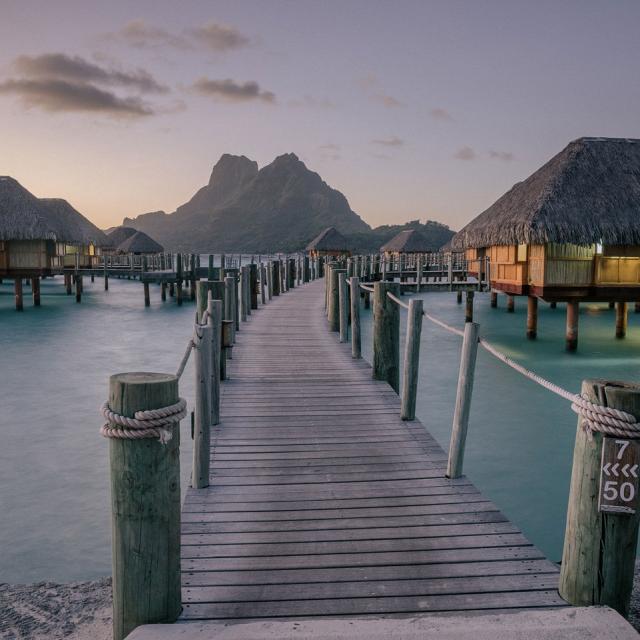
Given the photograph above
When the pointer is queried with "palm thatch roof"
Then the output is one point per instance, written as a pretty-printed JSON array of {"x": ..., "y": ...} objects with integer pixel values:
[
  {"x": 25, "y": 217},
  {"x": 117, "y": 235},
  {"x": 589, "y": 193},
  {"x": 329, "y": 240},
  {"x": 140, "y": 242},
  {"x": 408, "y": 241}
]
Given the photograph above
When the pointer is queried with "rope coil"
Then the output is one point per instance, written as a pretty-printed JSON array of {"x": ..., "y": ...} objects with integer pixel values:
[{"x": 153, "y": 423}]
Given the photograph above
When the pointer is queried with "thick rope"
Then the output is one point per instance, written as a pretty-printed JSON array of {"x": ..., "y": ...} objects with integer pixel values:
[
  {"x": 153, "y": 423},
  {"x": 185, "y": 358},
  {"x": 397, "y": 300},
  {"x": 366, "y": 288},
  {"x": 595, "y": 417}
]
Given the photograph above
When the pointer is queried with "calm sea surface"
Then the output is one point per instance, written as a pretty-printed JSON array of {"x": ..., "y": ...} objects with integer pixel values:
[{"x": 55, "y": 362}]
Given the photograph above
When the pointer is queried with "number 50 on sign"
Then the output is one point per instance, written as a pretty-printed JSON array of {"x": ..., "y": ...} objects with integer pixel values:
[{"x": 619, "y": 476}]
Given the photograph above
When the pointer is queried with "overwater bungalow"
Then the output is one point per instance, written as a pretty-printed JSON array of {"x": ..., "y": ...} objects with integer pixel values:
[
  {"x": 406, "y": 242},
  {"x": 570, "y": 232},
  {"x": 39, "y": 237},
  {"x": 329, "y": 243},
  {"x": 139, "y": 243},
  {"x": 117, "y": 236}
]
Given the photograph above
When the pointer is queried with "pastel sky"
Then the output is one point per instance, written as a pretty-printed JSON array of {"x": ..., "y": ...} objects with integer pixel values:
[{"x": 419, "y": 109}]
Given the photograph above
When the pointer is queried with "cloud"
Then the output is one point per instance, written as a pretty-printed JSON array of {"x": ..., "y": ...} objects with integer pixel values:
[
  {"x": 60, "y": 95},
  {"x": 219, "y": 37},
  {"x": 505, "y": 156},
  {"x": 388, "y": 101},
  {"x": 139, "y": 34},
  {"x": 330, "y": 147},
  {"x": 230, "y": 91},
  {"x": 465, "y": 153},
  {"x": 438, "y": 113},
  {"x": 213, "y": 36},
  {"x": 77, "y": 69},
  {"x": 370, "y": 85},
  {"x": 393, "y": 141}
]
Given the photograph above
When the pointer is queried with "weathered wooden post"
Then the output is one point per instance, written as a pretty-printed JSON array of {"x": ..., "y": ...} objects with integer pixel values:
[
  {"x": 532, "y": 317},
  {"x": 354, "y": 293},
  {"x": 459, "y": 296},
  {"x": 333, "y": 299},
  {"x": 573, "y": 312},
  {"x": 78, "y": 288},
  {"x": 418, "y": 272},
  {"x": 230, "y": 303},
  {"x": 17, "y": 287},
  {"x": 163, "y": 291},
  {"x": 35, "y": 290},
  {"x": 202, "y": 422},
  {"x": 253, "y": 285},
  {"x": 598, "y": 558},
  {"x": 511, "y": 303},
  {"x": 386, "y": 334},
  {"x": 147, "y": 297},
  {"x": 106, "y": 274},
  {"x": 263, "y": 283},
  {"x": 450, "y": 272},
  {"x": 269, "y": 269},
  {"x": 215, "y": 309},
  {"x": 223, "y": 263},
  {"x": 411, "y": 361},
  {"x": 145, "y": 508},
  {"x": 67, "y": 282},
  {"x": 468, "y": 310},
  {"x": 621, "y": 319},
  {"x": 292, "y": 273},
  {"x": 210, "y": 272},
  {"x": 463, "y": 400},
  {"x": 306, "y": 272},
  {"x": 245, "y": 298},
  {"x": 494, "y": 299},
  {"x": 343, "y": 307},
  {"x": 179, "y": 279},
  {"x": 275, "y": 277}
]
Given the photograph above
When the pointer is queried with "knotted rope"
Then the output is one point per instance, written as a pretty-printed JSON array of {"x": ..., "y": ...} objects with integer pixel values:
[
  {"x": 595, "y": 417},
  {"x": 153, "y": 423}
]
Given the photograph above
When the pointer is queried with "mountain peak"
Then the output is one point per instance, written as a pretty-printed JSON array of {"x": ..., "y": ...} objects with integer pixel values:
[{"x": 232, "y": 169}]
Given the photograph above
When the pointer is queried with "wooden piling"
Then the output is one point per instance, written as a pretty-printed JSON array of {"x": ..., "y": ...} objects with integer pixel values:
[
  {"x": 573, "y": 312},
  {"x": 463, "y": 400},
  {"x": 468, "y": 310},
  {"x": 511, "y": 303},
  {"x": 263, "y": 283},
  {"x": 275, "y": 277},
  {"x": 35, "y": 290},
  {"x": 18, "y": 293},
  {"x": 598, "y": 558},
  {"x": 269, "y": 270},
  {"x": 163, "y": 291},
  {"x": 67, "y": 282},
  {"x": 210, "y": 271},
  {"x": 636, "y": 307},
  {"x": 386, "y": 334},
  {"x": 202, "y": 421},
  {"x": 621, "y": 319},
  {"x": 553, "y": 305},
  {"x": 105, "y": 274},
  {"x": 245, "y": 297},
  {"x": 253, "y": 285},
  {"x": 354, "y": 299},
  {"x": 532, "y": 317},
  {"x": 145, "y": 508},
  {"x": 333, "y": 300},
  {"x": 230, "y": 303},
  {"x": 215, "y": 309},
  {"x": 78, "y": 288},
  {"x": 411, "y": 360},
  {"x": 343, "y": 304},
  {"x": 494, "y": 299},
  {"x": 306, "y": 271}
]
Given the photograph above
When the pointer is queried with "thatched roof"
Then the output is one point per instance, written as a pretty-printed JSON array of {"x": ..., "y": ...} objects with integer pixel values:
[
  {"x": 329, "y": 240},
  {"x": 70, "y": 222},
  {"x": 140, "y": 242},
  {"x": 25, "y": 217},
  {"x": 409, "y": 241},
  {"x": 118, "y": 235},
  {"x": 588, "y": 193}
]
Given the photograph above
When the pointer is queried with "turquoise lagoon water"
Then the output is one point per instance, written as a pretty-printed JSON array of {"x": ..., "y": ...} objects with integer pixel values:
[{"x": 55, "y": 362}]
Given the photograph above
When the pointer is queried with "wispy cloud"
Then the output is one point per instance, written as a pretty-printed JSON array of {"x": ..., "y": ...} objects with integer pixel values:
[
  {"x": 77, "y": 69},
  {"x": 438, "y": 113},
  {"x": 465, "y": 153},
  {"x": 231, "y": 91},
  {"x": 330, "y": 147},
  {"x": 371, "y": 86},
  {"x": 212, "y": 36},
  {"x": 505, "y": 156},
  {"x": 393, "y": 141},
  {"x": 61, "y": 95}
]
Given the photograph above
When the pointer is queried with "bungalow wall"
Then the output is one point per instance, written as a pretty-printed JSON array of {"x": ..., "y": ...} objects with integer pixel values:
[{"x": 26, "y": 255}]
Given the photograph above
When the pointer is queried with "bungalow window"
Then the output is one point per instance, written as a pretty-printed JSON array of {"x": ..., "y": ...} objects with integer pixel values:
[{"x": 522, "y": 253}]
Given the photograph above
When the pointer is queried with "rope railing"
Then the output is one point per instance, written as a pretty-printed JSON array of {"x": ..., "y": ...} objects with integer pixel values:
[
  {"x": 367, "y": 288},
  {"x": 397, "y": 301}
]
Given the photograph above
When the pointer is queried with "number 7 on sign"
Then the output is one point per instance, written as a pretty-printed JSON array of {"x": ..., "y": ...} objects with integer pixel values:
[{"x": 623, "y": 445}]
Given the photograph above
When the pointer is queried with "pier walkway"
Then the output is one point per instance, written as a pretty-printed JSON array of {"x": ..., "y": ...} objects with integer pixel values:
[{"x": 324, "y": 503}]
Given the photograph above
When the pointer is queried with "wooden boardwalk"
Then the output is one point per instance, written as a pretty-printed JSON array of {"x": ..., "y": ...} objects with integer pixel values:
[{"x": 324, "y": 503}]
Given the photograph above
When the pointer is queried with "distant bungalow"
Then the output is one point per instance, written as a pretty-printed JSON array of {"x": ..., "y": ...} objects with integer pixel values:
[
  {"x": 128, "y": 240},
  {"x": 406, "y": 242},
  {"x": 40, "y": 235},
  {"x": 329, "y": 243},
  {"x": 570, "y": 232}
]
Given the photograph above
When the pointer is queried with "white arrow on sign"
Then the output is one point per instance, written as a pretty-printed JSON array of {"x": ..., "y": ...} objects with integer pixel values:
[
  {"x": 606, "y": 468},
  {"x": 634, "y": 471},
  {"x": 614, "y": 468},
  {"x": 625, "y": 473}
]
